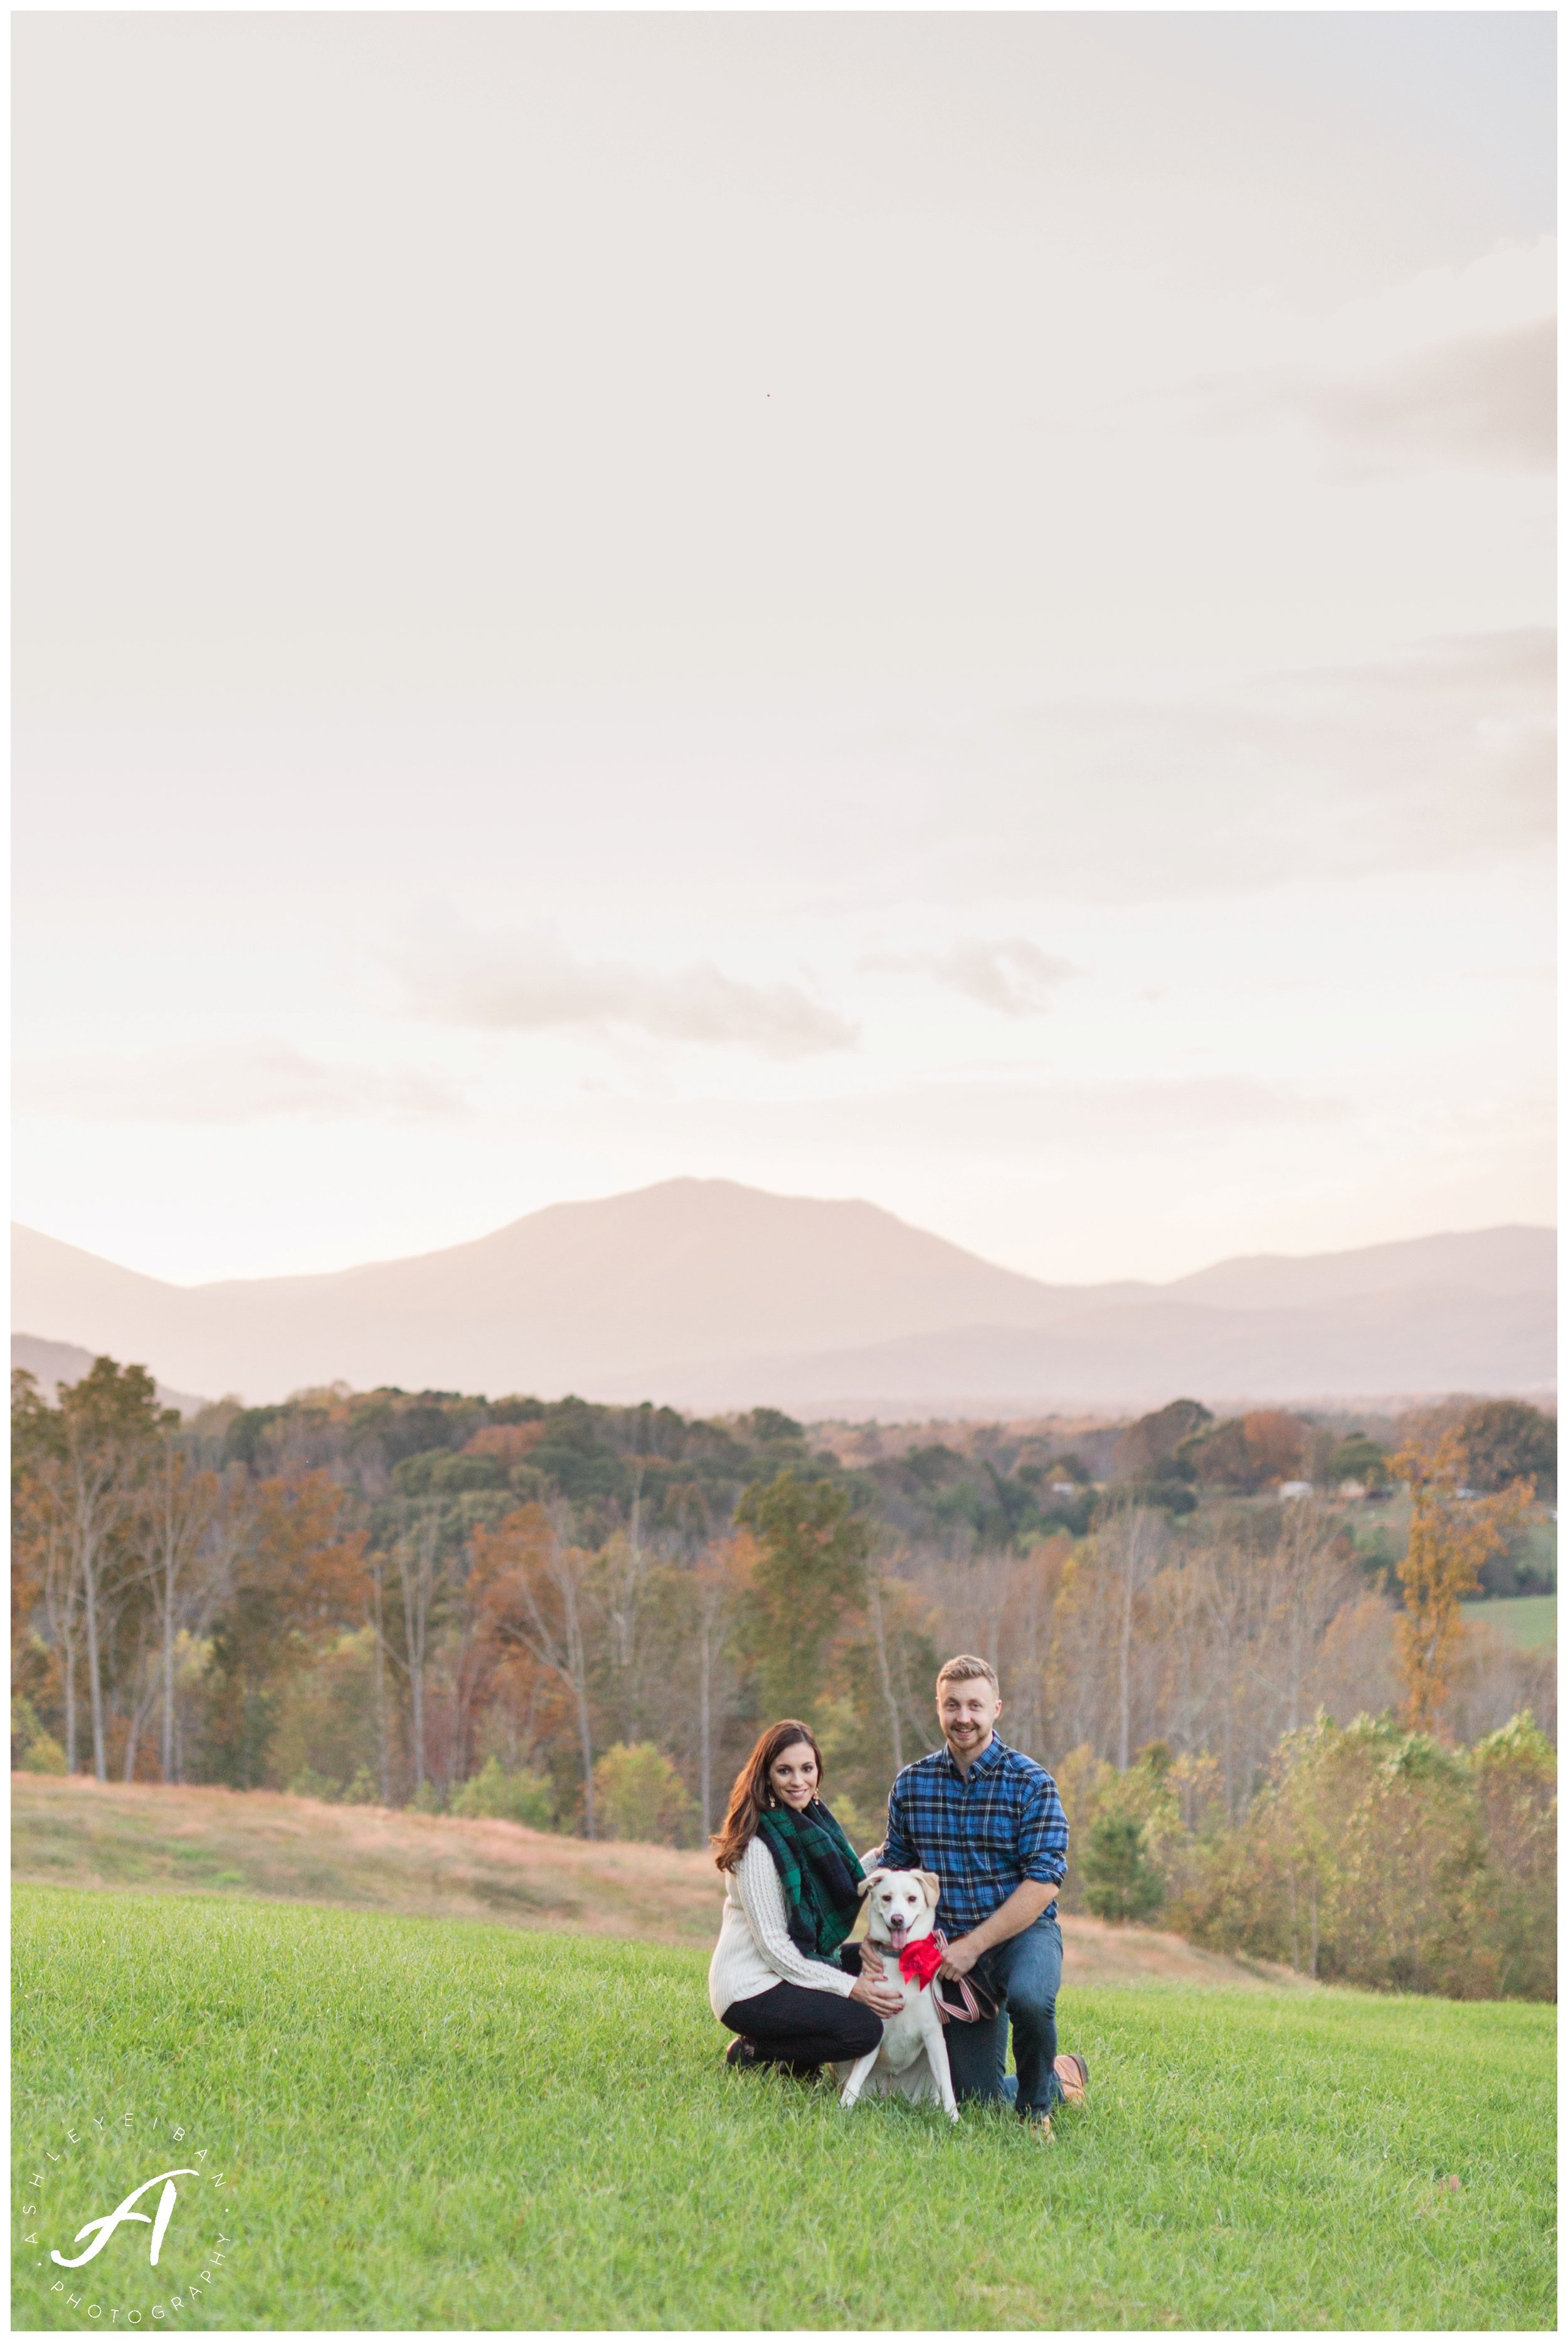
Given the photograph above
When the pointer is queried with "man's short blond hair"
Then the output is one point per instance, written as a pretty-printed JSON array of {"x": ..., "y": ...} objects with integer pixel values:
[{"x": 964, "y": 1668}]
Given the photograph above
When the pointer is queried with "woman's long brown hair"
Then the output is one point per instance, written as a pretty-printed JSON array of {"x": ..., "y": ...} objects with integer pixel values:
[{"x": 751, "y": 1792}]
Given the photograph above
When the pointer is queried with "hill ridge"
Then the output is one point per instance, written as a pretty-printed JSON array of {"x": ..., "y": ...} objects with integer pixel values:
[{"x": 755, "y": 1298}]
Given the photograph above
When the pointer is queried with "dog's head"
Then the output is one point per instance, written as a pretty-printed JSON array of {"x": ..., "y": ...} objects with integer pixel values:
[{"x": 900, "y": 1904}]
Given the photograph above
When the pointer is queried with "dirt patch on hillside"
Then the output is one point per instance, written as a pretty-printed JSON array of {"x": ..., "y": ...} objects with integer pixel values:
[{"x": 74, "y": 1833}]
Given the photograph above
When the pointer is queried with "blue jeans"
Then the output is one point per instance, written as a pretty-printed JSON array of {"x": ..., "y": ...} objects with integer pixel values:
[{"x": 1025, "y": 1973}]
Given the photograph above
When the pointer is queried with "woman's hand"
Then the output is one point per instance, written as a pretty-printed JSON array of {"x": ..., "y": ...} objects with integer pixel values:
[{"x": 885, "y": 1998}]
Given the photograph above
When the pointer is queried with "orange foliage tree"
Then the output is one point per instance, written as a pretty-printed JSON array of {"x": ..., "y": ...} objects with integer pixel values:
[
  {"x": 1451, "y": 1537},
  {"x": 534, "y": 1593},
  {"x": 299, "y": 1581}
]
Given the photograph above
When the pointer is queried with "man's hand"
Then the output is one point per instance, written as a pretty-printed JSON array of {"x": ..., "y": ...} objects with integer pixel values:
[{"x": 960, "y": 1957}]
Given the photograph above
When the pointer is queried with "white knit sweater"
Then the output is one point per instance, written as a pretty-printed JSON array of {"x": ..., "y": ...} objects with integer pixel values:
[{"x": 755, "y": 1950}]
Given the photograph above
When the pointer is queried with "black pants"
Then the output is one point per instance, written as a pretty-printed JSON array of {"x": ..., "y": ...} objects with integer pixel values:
[{"x": 797, "y": 2028}]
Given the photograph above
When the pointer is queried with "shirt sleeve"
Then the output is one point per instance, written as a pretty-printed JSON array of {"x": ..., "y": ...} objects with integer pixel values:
[
  {"x": 761, "y": 1894},
  {"x": 899, "y": 1851},
  {"x": 1042, "y": 1833}
]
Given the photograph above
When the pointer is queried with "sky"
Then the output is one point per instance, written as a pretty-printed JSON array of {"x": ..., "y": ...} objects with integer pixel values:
[{"x": 949, "y": 609}]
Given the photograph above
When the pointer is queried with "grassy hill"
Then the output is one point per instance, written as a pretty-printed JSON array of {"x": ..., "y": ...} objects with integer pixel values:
[
  {"x": 392, "y": 2122},
  {"x": 214, "y": 1841}
]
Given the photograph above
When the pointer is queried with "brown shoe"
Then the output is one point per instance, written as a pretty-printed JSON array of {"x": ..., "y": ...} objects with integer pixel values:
[{"x": 1072, "y": 2074}]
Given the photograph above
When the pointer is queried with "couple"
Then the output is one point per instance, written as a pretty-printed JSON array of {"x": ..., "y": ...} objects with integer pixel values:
[{"x": 986, "y": 1818}]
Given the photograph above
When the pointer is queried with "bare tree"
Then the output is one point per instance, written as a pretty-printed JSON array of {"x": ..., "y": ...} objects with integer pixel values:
[
  {"x": 384, "y": 1774},
  {"x": 419, "y": 1559},
  {"x": 715, "y": 1591},
  {"x": 189, "y": 1526},
  {"x": 1129, "y": 1546},
  {"x": 61, "y": 1589},
  {"x": 92, "y": 1485},
  {"x": 1241, "y": 1726},
  {"x": 550, "y": 1624},
  {"x": 1313, "y": 1582},
  {"x": 141, "y": 1692},
  {"x": 879, "y": 1638},
  {"x": 81, "y": 1463},
  {"x": 624, "y": 1565}
]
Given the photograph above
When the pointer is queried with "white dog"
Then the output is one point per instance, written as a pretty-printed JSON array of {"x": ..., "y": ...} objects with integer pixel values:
[{"x": 912, "y": 2061}]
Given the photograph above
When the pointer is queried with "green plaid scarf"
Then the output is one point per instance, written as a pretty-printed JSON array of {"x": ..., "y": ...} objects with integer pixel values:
[{"x": 821, "y": 1873}]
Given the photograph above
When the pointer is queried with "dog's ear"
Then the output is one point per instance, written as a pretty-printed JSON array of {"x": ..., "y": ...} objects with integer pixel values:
[
  {"x": 868, "y": 1882},
  {"x": 933, "y": 1885}
]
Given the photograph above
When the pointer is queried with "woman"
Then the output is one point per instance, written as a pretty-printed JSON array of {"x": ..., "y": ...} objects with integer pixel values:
[{"x": 790, "y": 1899}]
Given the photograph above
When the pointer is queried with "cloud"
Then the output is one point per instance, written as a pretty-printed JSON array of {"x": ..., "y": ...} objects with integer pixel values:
[
  {"x": 1441, "y": 759},
  {"x": 533, "y": 983},
  {"x": 1481, "y": 401},
  {"x": 1016, "y": 976},
  {"x": 254, "y": 1080},
  {"x": 1003, "y": 1119},
  {"x": 1035, "y": 1116}
]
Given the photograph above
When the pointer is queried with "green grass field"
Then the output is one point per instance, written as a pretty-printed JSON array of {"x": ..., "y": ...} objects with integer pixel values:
[
  {"x": 1528, "y": 1620},
  {"x": 423, "y": 2123}
]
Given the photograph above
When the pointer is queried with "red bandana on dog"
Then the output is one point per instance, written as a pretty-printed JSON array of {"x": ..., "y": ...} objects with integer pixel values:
[{"x": 918, "y": 1962}]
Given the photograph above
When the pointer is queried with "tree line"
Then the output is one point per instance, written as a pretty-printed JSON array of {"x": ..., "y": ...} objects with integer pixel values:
[{"x": 579, "y": 1617}]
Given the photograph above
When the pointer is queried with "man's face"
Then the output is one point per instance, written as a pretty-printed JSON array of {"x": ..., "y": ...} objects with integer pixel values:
[{"x": 968, "y": 1708}]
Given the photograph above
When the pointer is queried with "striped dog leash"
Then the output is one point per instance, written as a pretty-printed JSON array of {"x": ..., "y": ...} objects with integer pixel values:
[
  {"x": 918, "y": 1963},
  {"x": 971, "y": 2012}
]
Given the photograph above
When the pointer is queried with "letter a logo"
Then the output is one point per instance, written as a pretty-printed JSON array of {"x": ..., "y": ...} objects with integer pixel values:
[{"x": 105, "y": 2228}]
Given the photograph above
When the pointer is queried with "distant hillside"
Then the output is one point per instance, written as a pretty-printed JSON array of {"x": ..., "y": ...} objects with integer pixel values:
[
  {"x": 704, "y": 1293},
  {"x": 1388, "y": 1348},
  {"x": 63, "y": 1362}
]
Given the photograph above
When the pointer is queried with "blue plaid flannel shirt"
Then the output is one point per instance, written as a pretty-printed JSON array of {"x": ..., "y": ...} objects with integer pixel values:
[{"x": 983, "y": 1832}]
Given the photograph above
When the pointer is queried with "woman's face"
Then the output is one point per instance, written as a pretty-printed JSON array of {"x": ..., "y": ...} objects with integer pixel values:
[{"x": 792, "y": 1775}]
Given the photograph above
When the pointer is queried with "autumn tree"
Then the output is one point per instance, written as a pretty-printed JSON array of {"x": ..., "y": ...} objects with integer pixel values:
[
  {"x": 1218, "y": 1457},
  {"x": 1357, "y": 1458},
  {"x": 1277, "y": 1445},
  {"x": 640, "y": 1795},
  {"x": 878, "y": 1707},
  {"x": 1505, "y": 1439},
  {"x": 1451, "y": 1537},
  {"x": 1376, "y": 1857},
  {"x": 1247, "y": 1452},
  {"x": 1149, "y": 1446},
  {"x": 810, "y": 1573},
  {"x": 298, "y": 1581},
  {"x": 536, "y": 1586}
]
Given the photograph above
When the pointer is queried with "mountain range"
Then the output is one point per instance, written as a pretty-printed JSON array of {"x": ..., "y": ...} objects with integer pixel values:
[{"x": 701, "y": 1293}]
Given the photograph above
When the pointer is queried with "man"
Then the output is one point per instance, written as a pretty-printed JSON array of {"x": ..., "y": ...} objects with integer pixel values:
[{"x": 988, "y": 1821}]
